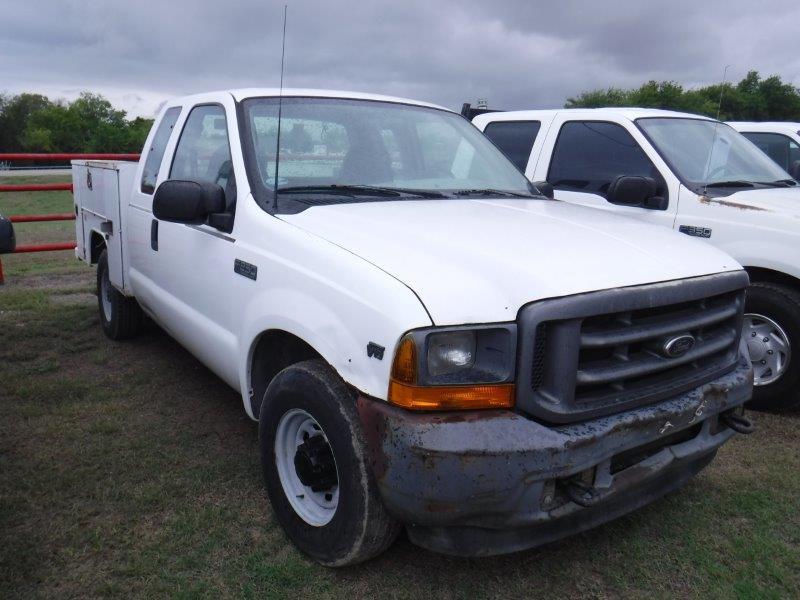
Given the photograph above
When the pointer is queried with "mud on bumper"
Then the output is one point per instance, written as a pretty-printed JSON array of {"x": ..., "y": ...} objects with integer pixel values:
[{"x": 489, "y": 482}]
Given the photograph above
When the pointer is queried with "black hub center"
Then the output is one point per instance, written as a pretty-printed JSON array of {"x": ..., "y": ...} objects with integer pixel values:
[{"x": 314, "y": 464}]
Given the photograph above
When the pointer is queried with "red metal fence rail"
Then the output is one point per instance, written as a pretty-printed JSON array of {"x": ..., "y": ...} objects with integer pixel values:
[{"x": 48, "y": 187}]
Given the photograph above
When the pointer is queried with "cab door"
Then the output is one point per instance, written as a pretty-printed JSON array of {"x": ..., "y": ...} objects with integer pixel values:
[
  {"x": 582, "y": 157},
  {"x": 193, "y": 280}
]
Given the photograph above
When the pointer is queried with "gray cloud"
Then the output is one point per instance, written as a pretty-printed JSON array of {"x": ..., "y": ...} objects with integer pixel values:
[{"x": 518, "y": 54}]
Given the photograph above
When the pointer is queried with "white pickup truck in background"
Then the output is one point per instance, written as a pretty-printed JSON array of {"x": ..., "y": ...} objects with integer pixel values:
[
  {"x": 780, "y": 140},
  {"x": 424, "y": 340},
  {"x": 691, "y": 174}
]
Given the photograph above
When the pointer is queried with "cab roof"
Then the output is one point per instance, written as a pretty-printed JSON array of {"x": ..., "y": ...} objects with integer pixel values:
[
  {"x": 243, "y": 93},
  {"x": 629, "y": 113},
  {"x": 766, "y": 126}
]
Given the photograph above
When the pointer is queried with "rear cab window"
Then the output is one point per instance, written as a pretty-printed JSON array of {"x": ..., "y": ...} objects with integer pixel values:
[
  {"x": 515, "y": 139},
  {"x": 155, "y": 154},
  {"x": 589, "y": 155}
]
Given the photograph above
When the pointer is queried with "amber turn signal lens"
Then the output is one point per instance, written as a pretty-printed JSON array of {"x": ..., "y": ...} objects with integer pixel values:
[
  {"x": 453, "y": 397},
  {"x": 404, "y": 368}
]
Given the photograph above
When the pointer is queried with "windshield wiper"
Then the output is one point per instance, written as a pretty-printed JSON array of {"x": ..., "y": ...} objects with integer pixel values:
[
  {"x": 491, "y": 192},
  {"x": 358, "y": 190},
  {"x": 779, "y": 183},
  {"x": 339, "y": 190},
  {"x": 732, "y": 183}
]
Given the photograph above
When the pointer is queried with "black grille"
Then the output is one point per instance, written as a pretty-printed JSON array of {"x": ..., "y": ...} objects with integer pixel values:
[
  {"x": 621, "y": 355},
  {"x": 537, "y": 373},
  {"x": 600, "y": 353}
]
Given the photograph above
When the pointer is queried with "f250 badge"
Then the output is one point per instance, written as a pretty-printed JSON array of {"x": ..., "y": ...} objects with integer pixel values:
[{"x": 703, "y": 232}]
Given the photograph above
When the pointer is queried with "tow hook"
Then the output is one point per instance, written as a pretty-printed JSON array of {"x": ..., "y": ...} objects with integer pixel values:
[
  {"x": 739, "y": 423},
  {"x": 581, "y": 494}
]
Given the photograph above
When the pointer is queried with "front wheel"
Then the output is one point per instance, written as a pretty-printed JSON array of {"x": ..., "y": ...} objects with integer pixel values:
[
  {"x": 772, "y": 333},
  {"x": 120, "y": 316},
  {"x": 316, "y": 470}
]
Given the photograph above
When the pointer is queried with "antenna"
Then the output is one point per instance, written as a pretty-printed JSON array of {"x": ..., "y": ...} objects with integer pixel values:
[
  {"x": 716, "y": 126},
  {"x": 280, "y": 102},
  {"x": 721, "y": 88}
]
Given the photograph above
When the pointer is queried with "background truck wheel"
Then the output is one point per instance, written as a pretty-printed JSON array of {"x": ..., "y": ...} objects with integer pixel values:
[
  {"x": 772, "y": 333},
  {"x": 313, "y": 456},
  {"x": 120, "y": 316}
]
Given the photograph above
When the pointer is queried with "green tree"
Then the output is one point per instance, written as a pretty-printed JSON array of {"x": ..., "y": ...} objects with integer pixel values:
[
  {"x": 753, "y": 98},
  {"x": 33, "y": 123},
  {"x": 15, "y": 112}
]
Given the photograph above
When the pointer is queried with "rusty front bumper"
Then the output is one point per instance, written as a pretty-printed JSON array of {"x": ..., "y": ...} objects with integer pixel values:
[{"x": 489, "y": 482}]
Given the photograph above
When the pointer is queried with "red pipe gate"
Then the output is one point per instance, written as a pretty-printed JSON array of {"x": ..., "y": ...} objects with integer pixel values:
[{"x": 48, "y": 187}]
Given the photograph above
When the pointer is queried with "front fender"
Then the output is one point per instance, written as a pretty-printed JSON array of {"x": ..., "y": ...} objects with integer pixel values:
[{"x": 333, "y": 300}]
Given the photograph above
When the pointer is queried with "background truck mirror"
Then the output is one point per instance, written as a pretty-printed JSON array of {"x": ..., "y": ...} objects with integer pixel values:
[
  {"x": 544, "y": 188},
  {"x": 7, "y": 239},
  {"x": 794, "y": 169},
  {"x": 631, "y": 190},
  {"x": 188, "y": 202}
]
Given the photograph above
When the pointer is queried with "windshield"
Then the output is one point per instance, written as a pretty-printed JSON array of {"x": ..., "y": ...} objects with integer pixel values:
[
  {"x": 372, "y": 150},
  {"x": 705, "y": 153}
]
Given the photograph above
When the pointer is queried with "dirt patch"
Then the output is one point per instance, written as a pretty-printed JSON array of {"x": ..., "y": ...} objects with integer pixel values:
[{"x": 727, "y": 203}]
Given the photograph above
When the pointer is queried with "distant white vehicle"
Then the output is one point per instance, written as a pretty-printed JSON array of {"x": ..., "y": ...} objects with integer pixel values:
[
  {"x": 423, "y": 338},
  {"x": 692, "y": 174},
  {"x": 778, "y": 140}
]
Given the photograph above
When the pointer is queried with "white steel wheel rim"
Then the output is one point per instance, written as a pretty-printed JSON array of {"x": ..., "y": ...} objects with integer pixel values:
[
  {"x": 315, "y": 508},
  {"x": 769, "y": 348},
  {"x": 105, "y": 295}
]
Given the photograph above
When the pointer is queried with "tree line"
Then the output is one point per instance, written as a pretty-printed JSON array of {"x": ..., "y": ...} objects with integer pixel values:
[
  {"x": 34, "y": 123},
  {"x": 751, "y": 99}
]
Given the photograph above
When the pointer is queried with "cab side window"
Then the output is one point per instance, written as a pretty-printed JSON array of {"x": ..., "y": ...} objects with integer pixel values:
[
  {"x": 204, "y": 155},
  {"x": 589, "y": 155},
  {"x": 780, "y": 148},
  {"x": 156, "y": 151},
  {"x": 515, "y": 139}
]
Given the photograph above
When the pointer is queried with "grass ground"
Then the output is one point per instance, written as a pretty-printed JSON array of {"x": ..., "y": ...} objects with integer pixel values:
[{"x": 128, "y": 469}]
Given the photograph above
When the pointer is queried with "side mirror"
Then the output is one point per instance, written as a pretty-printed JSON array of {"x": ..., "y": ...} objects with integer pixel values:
[
  {"x": 188, "y": 202},
  {"x": 634, "y": 190},
  {"x": 544, "y": 188},
  {"x": 7, "y": 239},
  {"x": 794, "y": 170}
]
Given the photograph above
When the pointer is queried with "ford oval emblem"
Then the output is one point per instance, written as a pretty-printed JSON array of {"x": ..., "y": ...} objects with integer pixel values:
[{"x": 677, "y": 346}]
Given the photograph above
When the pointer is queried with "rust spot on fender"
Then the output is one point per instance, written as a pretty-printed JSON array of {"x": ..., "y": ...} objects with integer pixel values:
[{"x": 728, "y": 204}]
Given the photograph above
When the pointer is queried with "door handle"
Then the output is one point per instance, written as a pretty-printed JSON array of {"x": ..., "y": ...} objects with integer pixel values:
[{"x": 154, "y": 235}]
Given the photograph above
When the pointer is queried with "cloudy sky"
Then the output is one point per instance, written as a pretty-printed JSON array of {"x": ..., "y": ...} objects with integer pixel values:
[{"x": 516, "y": 53}]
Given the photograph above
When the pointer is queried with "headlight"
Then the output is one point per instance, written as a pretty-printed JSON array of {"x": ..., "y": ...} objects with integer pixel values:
[
  {"x": 450, "y": 352},
  {"x": 455, "y": 368}
]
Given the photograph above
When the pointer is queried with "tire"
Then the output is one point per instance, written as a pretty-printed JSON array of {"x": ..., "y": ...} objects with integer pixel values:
[
  {"x": 121, "y": 317},
  {"x": 780, "y": 304},
  {"x": 358, "y": 528}
]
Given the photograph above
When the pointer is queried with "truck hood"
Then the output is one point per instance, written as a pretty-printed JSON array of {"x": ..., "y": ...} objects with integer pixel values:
[
  {"x": 479, "y": 261},
  {"x": 782, "y": 201}
]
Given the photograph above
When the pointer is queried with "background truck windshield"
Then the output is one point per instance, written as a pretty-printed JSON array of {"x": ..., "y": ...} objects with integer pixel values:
[
  {"x": 341, "y": 142},
  {"x": 701, "y": 157}
]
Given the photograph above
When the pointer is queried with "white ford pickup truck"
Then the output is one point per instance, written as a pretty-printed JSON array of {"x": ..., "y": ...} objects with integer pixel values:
[
  {"x": 777, "y": 139},
  {"x": 424, "y": 340},
  {"x": 692, "y": 174}
]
